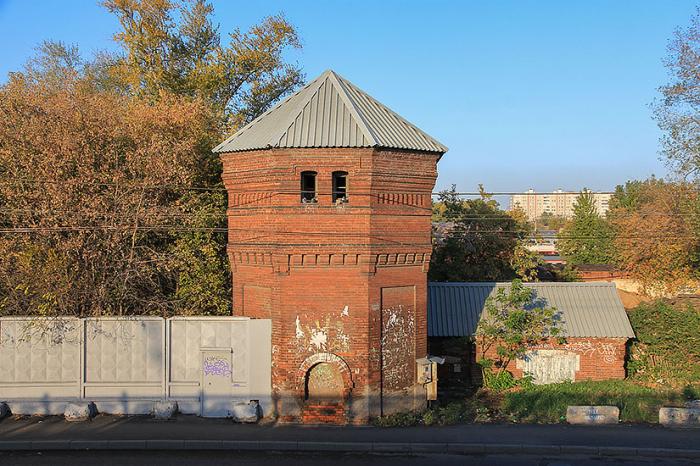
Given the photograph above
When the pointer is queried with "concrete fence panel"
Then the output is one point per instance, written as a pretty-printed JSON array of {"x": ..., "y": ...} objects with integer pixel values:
[
  {"x": 195, "y": 335},
  {"x": 125, "y": 365},
  {"x": 39, "y": 363}
]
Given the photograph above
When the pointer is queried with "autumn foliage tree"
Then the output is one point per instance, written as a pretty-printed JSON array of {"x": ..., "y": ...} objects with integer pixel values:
[
  {"x": 111, "y": 201},
  {"x": 657, "y": 233},
  {"x": 91, "y": 204},
  {"x": 175, "y": 46}
]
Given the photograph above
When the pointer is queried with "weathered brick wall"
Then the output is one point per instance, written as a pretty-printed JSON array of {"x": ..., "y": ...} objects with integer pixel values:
[
  {"x": 600, "y": 358},
  {"x": 331, "y": 276}
]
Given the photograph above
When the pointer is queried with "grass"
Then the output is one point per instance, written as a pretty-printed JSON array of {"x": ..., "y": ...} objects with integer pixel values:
[
  {"x": 481, "y": 407},
  {"x": 637, "y": 403},
  {"x": 546, "y": 404}
]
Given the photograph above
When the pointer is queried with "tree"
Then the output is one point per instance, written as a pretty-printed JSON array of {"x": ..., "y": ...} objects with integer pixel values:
[
  {"x": 91, "y": 198},
  {"x": 657, "y": 225},
  {"x": 180, "y": 50},
  {"x": 549, "y": 221},
  {"x": 587, "y": 238},
  {"x": 110, "y": 195},
  {"x": 678, "y": 110},
  {"x": 477, "y": 241},
  {"x": 513, "y": 321}
]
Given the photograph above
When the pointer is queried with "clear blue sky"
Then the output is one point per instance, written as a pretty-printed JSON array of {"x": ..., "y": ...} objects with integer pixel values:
[{"x": 541, "y": 94}]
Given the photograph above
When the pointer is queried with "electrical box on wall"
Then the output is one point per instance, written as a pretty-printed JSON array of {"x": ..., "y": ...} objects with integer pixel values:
[
  {"x": 425, "y": 372},
  {"x": 428, "y": 376}
]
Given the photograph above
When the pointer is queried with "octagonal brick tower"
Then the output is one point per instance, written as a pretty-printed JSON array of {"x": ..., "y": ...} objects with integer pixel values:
[{"x": 329, "y": 236}]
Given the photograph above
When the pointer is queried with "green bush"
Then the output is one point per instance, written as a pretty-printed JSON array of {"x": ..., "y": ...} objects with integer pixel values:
[{"x": 667, "y": 348}]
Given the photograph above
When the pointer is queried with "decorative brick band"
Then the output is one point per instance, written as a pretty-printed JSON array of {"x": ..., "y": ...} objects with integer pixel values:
[{"x": 283, "y": 262}]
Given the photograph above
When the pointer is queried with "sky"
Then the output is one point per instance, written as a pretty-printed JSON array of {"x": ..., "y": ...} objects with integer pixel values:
[{"x": 526, "y": 94}]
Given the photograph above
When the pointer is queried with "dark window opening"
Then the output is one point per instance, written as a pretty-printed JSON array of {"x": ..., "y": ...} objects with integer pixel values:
[
  {"x": 308, "y": 187},
  {"x": 340, "y": 187}
]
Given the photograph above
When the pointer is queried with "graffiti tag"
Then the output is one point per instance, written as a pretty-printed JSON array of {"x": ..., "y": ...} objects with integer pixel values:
[{"x": 217, "y": 367}]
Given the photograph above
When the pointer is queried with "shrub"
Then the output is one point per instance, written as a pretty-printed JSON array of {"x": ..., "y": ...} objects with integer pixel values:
[{"x": 667, "y": 348}]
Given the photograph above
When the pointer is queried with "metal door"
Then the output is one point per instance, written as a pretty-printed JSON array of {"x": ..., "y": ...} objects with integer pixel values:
[{"x": 216, "y": 382}]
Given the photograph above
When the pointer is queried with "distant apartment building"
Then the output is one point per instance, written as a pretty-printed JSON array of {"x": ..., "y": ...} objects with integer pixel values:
[{"x": 559, "y": 203}]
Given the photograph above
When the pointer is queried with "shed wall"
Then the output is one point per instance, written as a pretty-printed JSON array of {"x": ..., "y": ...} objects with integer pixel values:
[{"x": 597, "y": 358}]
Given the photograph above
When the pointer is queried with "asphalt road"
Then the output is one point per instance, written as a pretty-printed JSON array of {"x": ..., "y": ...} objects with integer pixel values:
[{"x": 155, "y": 458}]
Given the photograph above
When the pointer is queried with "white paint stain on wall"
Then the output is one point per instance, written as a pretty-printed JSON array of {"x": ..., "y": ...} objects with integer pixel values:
[
  {"x": 587, "y": 348},
  {"x": 319, "y": 339},
  {"x": 547, "y": 366},
  {"x": 345, "y": 312},
  {"x": 321, "y": 335},
  {"x": 398, "y": 340},
  {"x": 299, "y": 331}
]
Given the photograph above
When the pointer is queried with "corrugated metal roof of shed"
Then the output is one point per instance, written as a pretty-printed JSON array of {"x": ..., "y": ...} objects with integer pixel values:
[
  {"x": 590, "y": 309},
  {"x": 330, "y": 111}
]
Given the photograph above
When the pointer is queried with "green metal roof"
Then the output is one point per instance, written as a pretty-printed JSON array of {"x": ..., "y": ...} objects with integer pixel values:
[
  {"x": 590, "y": 309},
  {"x": 330, "y": 112}
]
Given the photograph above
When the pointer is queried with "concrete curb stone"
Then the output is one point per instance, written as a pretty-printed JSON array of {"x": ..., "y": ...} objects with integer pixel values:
[
  {"x": 88, "y": 444},
  {"x": 541, "y": 449},
  {"x": 393, "y": 447},
  {"x": 429, "y": 447},
  {"x": 466, "y": 448},
  {"x": 579, "y": 450},
  {"x": 204, "y": 444},
  {"x": 165, "y": 444},
  {"x": 617, "y": 451},
  {"x": 671, "y": 452},
  {"x": 253, "y": 445},
  {"x": 272, "y": 445},
  {"x": 9, "y": 445},
  {"x": 126, "y": 445},
  {"x": 503, "y": 448},
  {"x": 50, "y": 444},
  {"x": 363, "y": 447}
]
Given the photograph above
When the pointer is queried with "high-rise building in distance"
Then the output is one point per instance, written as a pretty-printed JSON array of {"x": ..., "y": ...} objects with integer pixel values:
[{"x": 559, "y": 203}]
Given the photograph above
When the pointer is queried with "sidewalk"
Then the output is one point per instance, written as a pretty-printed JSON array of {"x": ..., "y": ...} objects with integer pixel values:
[{"x": 190, "y": 432}]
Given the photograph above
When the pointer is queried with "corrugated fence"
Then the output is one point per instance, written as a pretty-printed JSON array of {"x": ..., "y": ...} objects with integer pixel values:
[{"x": 125, "y": 364}]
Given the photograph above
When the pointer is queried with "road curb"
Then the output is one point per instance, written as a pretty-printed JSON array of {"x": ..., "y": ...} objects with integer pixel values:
[{"x": 345, "y": 447}]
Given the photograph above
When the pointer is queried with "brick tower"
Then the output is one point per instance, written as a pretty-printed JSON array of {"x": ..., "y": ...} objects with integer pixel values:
[{"x": 329, "y": 236}]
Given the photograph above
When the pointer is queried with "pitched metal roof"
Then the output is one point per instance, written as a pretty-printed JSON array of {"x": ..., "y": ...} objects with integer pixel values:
[
  {"x": 330, "y": 112},
  {"x": 590, "y": 309}
]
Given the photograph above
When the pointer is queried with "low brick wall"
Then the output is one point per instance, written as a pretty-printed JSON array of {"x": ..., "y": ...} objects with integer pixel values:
[{"x": 589, "y": 358}]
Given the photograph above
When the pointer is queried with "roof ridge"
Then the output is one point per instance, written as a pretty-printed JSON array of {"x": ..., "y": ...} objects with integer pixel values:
[
  {"x": 581, "y": 284},
  {"x": 352, "y": 108}
]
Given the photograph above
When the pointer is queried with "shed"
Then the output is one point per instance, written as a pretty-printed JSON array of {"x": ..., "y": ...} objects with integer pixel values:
[{"x": 593, "y": 321}]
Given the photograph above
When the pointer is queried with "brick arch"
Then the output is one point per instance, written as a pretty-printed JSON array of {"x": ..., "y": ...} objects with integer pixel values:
[{"x": 328, "y": 358}]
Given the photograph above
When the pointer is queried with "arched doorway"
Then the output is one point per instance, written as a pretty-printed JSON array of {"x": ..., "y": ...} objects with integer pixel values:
[{"x": 324, "y": 383}]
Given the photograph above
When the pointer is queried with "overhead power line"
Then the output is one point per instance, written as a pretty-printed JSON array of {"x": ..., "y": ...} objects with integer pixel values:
[
  {"x": 172, "y": 228},
  {"x": 177, "y": 187}
]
